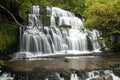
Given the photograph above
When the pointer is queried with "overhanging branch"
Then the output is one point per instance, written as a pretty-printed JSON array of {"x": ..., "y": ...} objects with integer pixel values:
[{"x": 10, "y": 14}]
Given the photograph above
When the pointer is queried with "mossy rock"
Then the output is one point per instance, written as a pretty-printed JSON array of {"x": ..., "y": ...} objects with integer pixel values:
[
  {"x": 46, "y": 21},
  {"x": 66, "y": 60},
  {"x": 65, "y": 26},
  {"x": 117, "y": 71},
  {"x": 1, "y": 63}
]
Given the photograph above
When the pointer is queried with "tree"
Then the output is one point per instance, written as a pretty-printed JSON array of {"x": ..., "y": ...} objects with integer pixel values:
[
  {"x": 11, "y": 7},
  {"x": 104, "y": 17}
]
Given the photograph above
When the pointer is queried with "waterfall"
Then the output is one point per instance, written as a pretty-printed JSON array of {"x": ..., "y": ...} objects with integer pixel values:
[
  {"x": 88, "y": 75},
  {"x": 37, "y": 38},
  {"x": 97, "y": 74},
  {"x": 74, "y": 76},
  {"x": 59, "y": 76},
  {"x": 7, "y": 76}
]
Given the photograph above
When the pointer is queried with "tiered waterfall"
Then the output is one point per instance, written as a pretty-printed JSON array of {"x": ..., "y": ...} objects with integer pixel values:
[{"x": 65, "y": 33}]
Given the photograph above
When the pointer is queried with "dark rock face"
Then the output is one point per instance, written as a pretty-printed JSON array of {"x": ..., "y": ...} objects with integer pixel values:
[{"x": 39, "y": 74}]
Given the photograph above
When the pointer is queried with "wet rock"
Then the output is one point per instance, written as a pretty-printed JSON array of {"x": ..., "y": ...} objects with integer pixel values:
[
  {"x": 41, "y": 74},
  {"x": 37, "y": 74},
  {"x": 109, "y": 77}
]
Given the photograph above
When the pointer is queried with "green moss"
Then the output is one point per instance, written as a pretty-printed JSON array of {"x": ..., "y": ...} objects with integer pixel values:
[
  {"x": 24, "y": 8},
  {"x": 46, "y": 21},
  {"x": 1, "y": 63},
  {"x": 8, "y": 36}
]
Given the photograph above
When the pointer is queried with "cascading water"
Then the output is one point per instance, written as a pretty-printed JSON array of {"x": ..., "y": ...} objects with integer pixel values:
[
  {"x": 91, "y": 75},
  {"x": 39, "y": 39},
  {"x": 99, "y": 74},
  {"x": 7, "y": 76},
  {"x": 74, "y": 76}
]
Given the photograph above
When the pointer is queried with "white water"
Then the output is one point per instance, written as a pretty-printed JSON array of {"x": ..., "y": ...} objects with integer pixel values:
[
  {"x": 74, "y": 76},
  {"x": 51, "y": 39},
  {"x": 90, "y": 75},
  {"x": 97, "y": 74},
  {"x": 6, "y": 76}
]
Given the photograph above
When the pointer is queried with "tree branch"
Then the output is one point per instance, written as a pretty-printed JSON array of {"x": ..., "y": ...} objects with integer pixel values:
[{"x": 10, "y": 14}]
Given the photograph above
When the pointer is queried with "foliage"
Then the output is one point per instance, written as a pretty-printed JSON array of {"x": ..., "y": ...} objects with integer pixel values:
[
  {"x": 1, "y": 63},
  {"x": 19, "y": 8},
  {"x": 24, "y": 9},
  {"x": 8, "y": 33},
  {"x": 11, "y": 9},
  {"x": 104, "y": 16},
  {"x": 88, "y": 3}
]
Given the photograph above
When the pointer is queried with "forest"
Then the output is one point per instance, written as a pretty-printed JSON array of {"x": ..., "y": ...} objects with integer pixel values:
[{"x": 103, "y": 15}]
